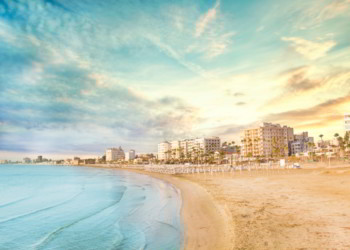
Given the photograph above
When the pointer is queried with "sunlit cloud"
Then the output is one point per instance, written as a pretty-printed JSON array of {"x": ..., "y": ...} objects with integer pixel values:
[
  {"x": 310, "y": 50},
  {"x": 206, "y": 19}
]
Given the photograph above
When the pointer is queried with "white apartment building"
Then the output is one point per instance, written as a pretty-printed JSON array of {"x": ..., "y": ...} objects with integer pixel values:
[
  {"x": 129, "y": 156},
  {"x": 114, "y": 154},
  {"x": 164, "y": 151},
  {"x": 175, "y": 149},
  {"x": 187, "y": 147},
  {"x": 206, "y": 145},
  {"x": 267, "y": 140},
  {"x": 347, "y": 122}
]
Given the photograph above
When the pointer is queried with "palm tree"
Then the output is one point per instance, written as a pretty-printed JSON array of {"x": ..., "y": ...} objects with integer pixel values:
[
  {"x": 321, "y": 136},
  {"x": 168, "y": 154},
  {"x": 222, "y": 154},
  {"x": 238, "y": 149}
]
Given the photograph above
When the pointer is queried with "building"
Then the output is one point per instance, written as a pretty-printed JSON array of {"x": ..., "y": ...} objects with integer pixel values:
[
  {"x": 301, "y": 143},
  {"x": 267, "y": 140},
  {"x": 347, "y": 122},
  {"x": 175, "y": 149},
  {"x": 115, "y": 154},
  {"x": 26, "y": 160},
  {"x": 206, "y": 145},
  {"x": 164, "y": 151},
  {"x": 187, "y": 148},
  {"x": 39, "y": 159},
  {"x": 89, "y": 161},
  {"x": 129, "y": 156}
]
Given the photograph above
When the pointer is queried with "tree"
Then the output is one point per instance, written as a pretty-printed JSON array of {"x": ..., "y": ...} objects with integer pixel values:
[
  {"x": 222, "y": 154},
  {"x": 341, "y": 143},
  {"x": 321, "y": 136},
  {"x": 311, "y": 146},
  {"x": 188, "y": 156},
  {"x": 238, "y": 149}
]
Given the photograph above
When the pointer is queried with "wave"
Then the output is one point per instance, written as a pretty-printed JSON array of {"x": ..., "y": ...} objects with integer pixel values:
[
  {"x": 41, "y": 210},
  {"x": 50, "y": 236},
  {"x": 14, "y": 202}
]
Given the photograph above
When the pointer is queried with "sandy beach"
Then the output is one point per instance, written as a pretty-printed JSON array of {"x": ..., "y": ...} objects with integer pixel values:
[
  {"x": 294, "y": 209},
  {"x": 285, "y": 209}
]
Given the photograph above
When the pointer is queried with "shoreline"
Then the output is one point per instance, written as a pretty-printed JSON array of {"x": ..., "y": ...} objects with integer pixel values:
[
  {"x": 304, "y": 208},
  {"x": 277, "y": 209},
  {"x": 207, "y": 225}
]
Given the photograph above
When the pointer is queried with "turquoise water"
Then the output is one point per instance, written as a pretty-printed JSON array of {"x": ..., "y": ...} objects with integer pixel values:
[{"x": 55, "y": 207}]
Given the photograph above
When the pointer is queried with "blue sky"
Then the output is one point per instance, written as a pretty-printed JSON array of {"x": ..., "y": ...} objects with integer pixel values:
[{"x": 79, "y": 76}]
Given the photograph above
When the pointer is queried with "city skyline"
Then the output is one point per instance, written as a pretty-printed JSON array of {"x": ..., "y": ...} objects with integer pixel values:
[{"x": 79, "y": 77}]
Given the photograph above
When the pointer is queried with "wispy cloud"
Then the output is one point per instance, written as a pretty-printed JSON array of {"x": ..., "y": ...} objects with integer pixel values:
[
  {"x": 309, "y": 49},
  {"x": 318, "y": 115},
  {"x": 332, "y": 10},
  {"x": 206, "y": 19}
]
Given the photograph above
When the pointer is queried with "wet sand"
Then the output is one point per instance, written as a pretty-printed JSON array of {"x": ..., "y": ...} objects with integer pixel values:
[{"x": 207, "y": 224}]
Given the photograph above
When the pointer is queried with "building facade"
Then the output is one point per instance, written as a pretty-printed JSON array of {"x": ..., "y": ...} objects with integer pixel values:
[
  {"x": 207, "y": 145},
  {"x": 187, "y": 148},
  {"x": 39, "y": 159},
  {"x": 115, "y": 154},
  {"x": 267, "y": 140},
  {"x": 301, "y": 143},
  {"x": 164, "y": 151},
  {"x": 347, "y": 122},
  {"x": 129, "y": 156},
  {"x": 27, "y": 160}
]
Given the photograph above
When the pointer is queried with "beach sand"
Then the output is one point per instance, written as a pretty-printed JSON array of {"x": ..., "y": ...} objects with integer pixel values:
[{"x": 285, "y": 209}]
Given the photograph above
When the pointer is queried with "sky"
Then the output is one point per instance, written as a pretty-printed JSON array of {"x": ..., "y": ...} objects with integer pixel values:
[{"x": 79, "y": 76}]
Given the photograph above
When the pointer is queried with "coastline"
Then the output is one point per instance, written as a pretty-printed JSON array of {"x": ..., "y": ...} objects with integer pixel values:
[
  {"x": 207, "y": 224},
  {"x": 277, "y": 209}
]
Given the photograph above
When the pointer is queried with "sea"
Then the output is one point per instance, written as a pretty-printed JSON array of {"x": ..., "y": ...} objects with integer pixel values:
[{"x": 67, "y": 207}]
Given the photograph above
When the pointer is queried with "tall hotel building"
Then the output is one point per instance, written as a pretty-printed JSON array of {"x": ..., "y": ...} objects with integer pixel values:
[
  {"x": 164, "y": 150},
  {"x": 113, "y": 154},
  {"x": 267, "y": 140},
  {"x": 347, "y": 122}
]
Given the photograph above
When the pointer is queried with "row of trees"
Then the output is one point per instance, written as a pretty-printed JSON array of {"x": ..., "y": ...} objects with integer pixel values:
[
  {"x": 199, "y": 156},
  {"x": 344, "y": 143}
]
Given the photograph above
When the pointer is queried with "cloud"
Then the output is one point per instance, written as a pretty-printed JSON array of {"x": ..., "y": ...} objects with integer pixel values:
[
  {"x": 175, "y": 55},
  {"x": 308, "y": 49},
  {"x": 240, "y": 103},
  {"x": 219, "y": 45},
  {"x": 333, "y": 9},
  {"x": 100, "y": 73},
  {"x": 206, "y": 19},
  {"x": 6, "y": 35},
  {"x": 260, "y": 28},
  {"x": 238, "y": 94},
  {"x": 299, "y": 85},
  {"x": 298, "y": 81},
  {"x": 319, "y": 115}
]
